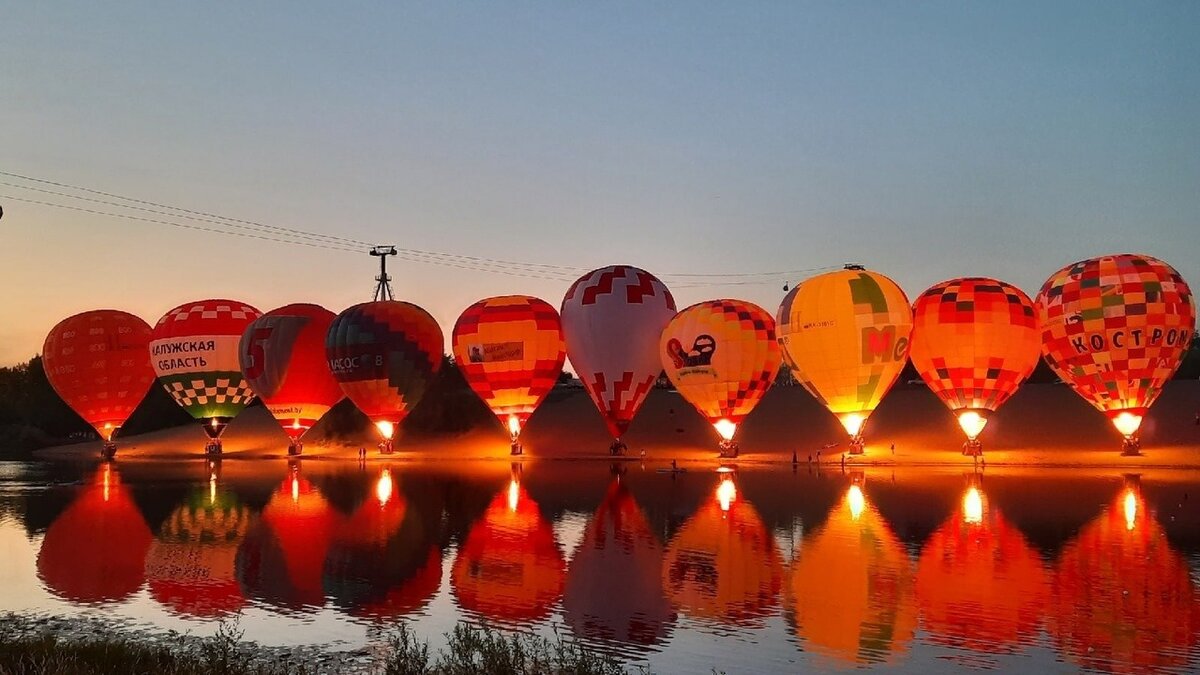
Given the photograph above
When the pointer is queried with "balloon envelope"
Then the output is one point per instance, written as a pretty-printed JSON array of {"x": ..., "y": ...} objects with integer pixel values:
[
  {"x": 1116, "y": 328},
  {"x": 845, "y": 336},
  {"x": 384, "y": 355},
  {"x": 510, "y": 349},
  {"x": 99, "y": 363},
  {"x": 282, "y": 355},
  {"x": 722, "y": 356},
  {"x": 194, "y": 350},
  {"x": 612, "y": 320}
]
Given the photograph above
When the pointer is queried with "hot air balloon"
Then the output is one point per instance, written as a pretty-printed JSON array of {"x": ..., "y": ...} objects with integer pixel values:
[
  {"x": 612, "y": 320},
  {"x": 723, "y": 565},
  {"x": 845, "y": 336},
  {"x": 974, "y": 341},
  {"x": 99, "y": 363},
  {"x": 283, "y": 357},
  {"x": 722, "y": 356},
  {"x": 510, "y": 350},
  {"x": 1116, "y": 329},
  {"x": 384, "y": 354},
  {"x": 194, "y": 351}
]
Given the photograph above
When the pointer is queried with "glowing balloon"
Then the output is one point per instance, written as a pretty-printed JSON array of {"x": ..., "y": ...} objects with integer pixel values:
[
  {"x": 194, "y": 350},
  {"x": 974, "y": 341},
  {"x": 510, "y": 350},
  {"x": 283, "y": 357},
  {"x": 722, "y": 356},
  {"x": 845, "y": 336},
  {"x": 99, "y": 363},
  {"x": 384, "y": 355},
  {"x": 1116, "y": 329},
  {"x": 612, "y": 320}
]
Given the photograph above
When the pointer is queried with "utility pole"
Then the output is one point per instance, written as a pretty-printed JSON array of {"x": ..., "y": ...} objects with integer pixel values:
[{"x": 383, "y": 282}]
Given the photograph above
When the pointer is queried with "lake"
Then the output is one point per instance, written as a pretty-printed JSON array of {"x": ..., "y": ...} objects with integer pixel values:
[{"x": 744, "y": 569}]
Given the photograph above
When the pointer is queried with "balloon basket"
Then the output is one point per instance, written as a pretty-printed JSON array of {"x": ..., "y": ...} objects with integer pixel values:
[
  {"x": 1132, "y": 447},
  {"x": 516, "y": 449},
  {"x": 857, "y": 446},
  {"x": 729, "y": 449},
  {"x": 295, "y": 449},
  {"x": 972, "y": 448},
  {"x": 108, "y": 451},
  {"x": 213, "y": 448},
  {"x": 386, "y": 447},
  {"x": 617, "y": 448}
]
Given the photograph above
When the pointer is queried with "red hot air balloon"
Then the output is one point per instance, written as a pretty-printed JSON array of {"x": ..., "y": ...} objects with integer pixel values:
[
  {"x": 98, "y": 363},
  {"x": 1116, "y": 329},
  {"x": 384, "y": 354},
  {"x": 510, "y": 350},
  {"x": 283, "y": 358},
  {"x": 194, "y": 351},
  {"x": 612, "y": 320}
]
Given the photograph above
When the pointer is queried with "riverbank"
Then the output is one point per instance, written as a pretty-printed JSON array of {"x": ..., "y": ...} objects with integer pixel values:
[{"x": 1043, "y": 425}]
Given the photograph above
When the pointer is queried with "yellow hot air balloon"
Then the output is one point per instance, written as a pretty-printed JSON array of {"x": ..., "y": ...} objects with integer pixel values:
[
  {"x": 974, "y": 341},
  {"x": 845, "y": 336},
  {"x": 722, "y": 356}
]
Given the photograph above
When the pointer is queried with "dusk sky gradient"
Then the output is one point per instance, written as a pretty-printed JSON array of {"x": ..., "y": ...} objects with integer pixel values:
[{"x": 927, "y": 140}]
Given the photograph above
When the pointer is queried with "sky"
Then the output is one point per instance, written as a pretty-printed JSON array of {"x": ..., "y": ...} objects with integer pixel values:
[{"x": 927, "y": 140}]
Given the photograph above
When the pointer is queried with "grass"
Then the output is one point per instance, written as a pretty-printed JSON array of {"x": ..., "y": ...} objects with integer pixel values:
[{"x": 470, "y": 650}]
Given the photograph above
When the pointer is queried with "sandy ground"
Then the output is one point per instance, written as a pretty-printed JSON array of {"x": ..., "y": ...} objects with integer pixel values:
[{"x": 1043, "y": 425}]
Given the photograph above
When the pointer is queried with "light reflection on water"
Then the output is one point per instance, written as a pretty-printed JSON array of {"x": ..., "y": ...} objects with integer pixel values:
[{"x": 751, "y": 571}]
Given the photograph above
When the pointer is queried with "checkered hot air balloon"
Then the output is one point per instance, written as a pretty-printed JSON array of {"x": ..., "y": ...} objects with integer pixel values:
[
  {"x": 845, "y": 336},
  {"x": 510, "y": 349},
  {"x": 612, "y": 320},
  {"x": 99, "y": 363},
  {"x": 974, "y": 341},
  {"x": 194, "y": 351},
  {"x": 384, "y": 354},
  {"x": 282, "y": 355},
  {"x": 722, "y": 356},
  {"x": 1116, "y": 329}
]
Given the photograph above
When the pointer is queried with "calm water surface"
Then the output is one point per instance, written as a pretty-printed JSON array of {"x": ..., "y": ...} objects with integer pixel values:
[{"x": 753, "y": 570}]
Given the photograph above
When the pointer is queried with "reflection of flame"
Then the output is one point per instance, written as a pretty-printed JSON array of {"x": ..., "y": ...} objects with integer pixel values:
[
  {"x": 295, "y": 489},
  {"x": 1127, "y": 423},
  {"x": 212, "y": 488},
  {"x": 1131, "y": 506},
  {"x": 107, "y": 476},
  {"x": 972, "y": 423},
  {"x": 725, "y": 428},
  {"x": 973, "y": 505},
  {"x": 514, "y": 495},
  {"x": 726, "y": 493},
  {"x": 853, "y": 422},
  {"x": 514, "y": 426},
  {"x": 856, "y": 501},
  {"x": 386, "y": 429},
  {"x": 383, "y": 487}
]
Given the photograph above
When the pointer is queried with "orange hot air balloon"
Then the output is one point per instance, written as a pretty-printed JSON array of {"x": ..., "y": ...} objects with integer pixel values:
[
  {"x": 1116, "y": 329},
  {"x": 384, "y": 354},
  {"x": 510, "y": 569},
  {"x": 614, "y": 591},
  {"x": 510, "y": 349},
  {"x": 381, "y": 563},
  {"x": 851, "y": 590},
  {"x": 612, "y": 319},
  {"x": 974, "y": 341},
  {"x": 979, "y": 584},
  {"x": 722, "y": 356},
  {"x": 95, "y": 551},
  {"x": 191, "y": 564},
  {"x": 1122, "y": 599},
  {"x": 723, "y": 565},
  {"x": 99, "y": 363},
  {"x": 282, "y": 355},
  {"x": 282, "y": 558},
  {"x": 845, "y": 336}
]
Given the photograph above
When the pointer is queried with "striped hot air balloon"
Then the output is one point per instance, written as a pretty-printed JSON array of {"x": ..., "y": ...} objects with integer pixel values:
[
  {"x": 510, "y": 349},
  {"x": 384, "y": 354}
]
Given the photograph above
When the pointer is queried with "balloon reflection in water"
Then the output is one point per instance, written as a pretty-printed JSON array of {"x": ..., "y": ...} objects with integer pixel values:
[
  {"x": 191, "y": 564},
  {"x": 383, "y": 563},
  {"x": 283, "y": 556},
  {"x": 722, "y": 565},
  {"x": 1122, "y": 599},
  {"x": 851, "y": 592},
  {"x": 979, "y": 584},
  {"x": 509, "y": 569},
  {"x": 96, "y": 550},
  {"x": 614, "y": 586}
]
